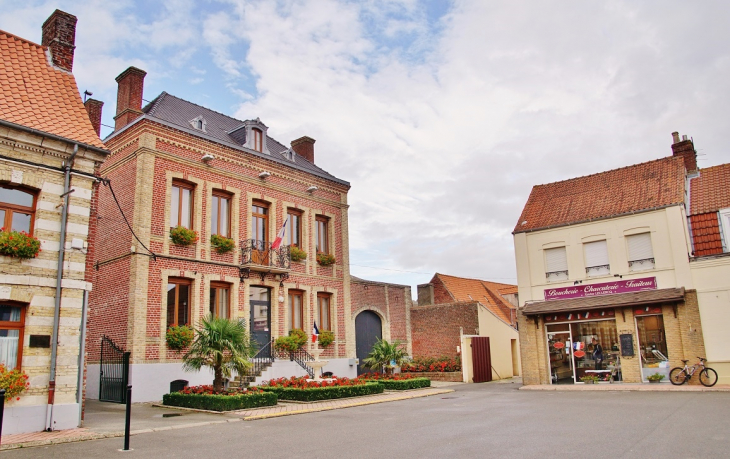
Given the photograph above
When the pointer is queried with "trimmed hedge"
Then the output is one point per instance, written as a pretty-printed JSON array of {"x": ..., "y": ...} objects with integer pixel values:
[
  {"x": 403, "y": 384},
  {"x": 219, "y": 402},
  {"x": 324, "y": 393}
]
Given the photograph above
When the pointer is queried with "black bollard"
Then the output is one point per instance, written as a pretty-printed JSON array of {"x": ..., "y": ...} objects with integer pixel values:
[
  {"x": 129, "y": 418},
  {"x": 2, "y": 411}
]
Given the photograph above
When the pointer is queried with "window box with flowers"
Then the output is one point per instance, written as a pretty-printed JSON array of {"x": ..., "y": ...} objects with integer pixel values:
[
  {"x": 182, "y": 236},
  {"x": 297, "y": 254},
  {"x": 326, "y": 338},
  {"x": 179, "y": 337},
  {"x": 325, "y": 259},
  {"x": 222, "y": 244},
  {"x": 18, "y": 244},
  {"x": 13, "y": 381}
]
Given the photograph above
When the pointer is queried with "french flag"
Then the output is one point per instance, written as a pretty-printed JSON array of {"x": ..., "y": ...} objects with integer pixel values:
[
  {"x": 280, "y": 237},
  {"x": 315, "y": 333}
]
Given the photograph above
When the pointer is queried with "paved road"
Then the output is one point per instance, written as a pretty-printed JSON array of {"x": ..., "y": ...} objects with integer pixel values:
[{"x": 478, "y": 420}]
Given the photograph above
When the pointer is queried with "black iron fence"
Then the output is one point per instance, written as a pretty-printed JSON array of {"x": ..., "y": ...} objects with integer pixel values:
[
  {"x": 114, "y": 372},
  {"x": 261, "y": 253}
]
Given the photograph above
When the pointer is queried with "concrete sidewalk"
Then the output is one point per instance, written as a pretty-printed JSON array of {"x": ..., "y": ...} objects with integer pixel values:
[
  {"x": 661, "y": 387},
  {"x": 105, "y": 420}
]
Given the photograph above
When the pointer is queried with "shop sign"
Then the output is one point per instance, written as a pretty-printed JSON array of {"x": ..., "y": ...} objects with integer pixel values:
[
  {"x": 582, "y": 315},
  {"x": 606, "y": 288}
]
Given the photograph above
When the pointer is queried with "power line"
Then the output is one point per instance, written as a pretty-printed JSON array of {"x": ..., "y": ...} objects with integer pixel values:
[{"x": 108, "y": 183}]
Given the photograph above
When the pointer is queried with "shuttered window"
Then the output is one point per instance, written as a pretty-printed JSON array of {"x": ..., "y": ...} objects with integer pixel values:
[
  {"x": 556, "y": 264},
  {"x": 641, "y": 255},
  {"x": 596, "y": 254}
]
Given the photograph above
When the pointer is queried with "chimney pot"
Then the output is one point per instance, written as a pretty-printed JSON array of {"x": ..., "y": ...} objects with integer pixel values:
[
  {"x": 684, "y": 137},
  {"x": 129, "y": 96},
  {"x": 59, "y": 35},
  {"x": 304, "y": 147},
  {"x": 93, "y": 109},
  {"x": 675, "y": 137}
]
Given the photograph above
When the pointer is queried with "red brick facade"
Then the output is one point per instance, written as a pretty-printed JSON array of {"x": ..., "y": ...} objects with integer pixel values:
[
  {"x": 436, "y": 329},
  {"x": 391, "y": 302}
]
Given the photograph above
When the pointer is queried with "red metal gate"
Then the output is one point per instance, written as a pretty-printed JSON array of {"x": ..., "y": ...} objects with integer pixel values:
[{"x": 481, "y": 359}]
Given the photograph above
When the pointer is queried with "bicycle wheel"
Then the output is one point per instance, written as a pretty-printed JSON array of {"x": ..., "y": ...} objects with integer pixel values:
[
  {"x": 708, "y": 377},
  {"x": 677, "y": 376}
]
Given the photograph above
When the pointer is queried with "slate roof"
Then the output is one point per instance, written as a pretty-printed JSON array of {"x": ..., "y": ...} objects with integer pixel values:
[
  {"x": 710, "y": 191},
  {"x": 222, "y": 129},
  {"x": 645, "y": 186},
  {"x": 605, "y": 301},
  {"x": 37, "y": 95},
  {"x": 485, "y": 292}
]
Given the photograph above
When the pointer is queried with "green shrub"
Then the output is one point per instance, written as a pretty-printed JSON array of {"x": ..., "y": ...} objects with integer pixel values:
[
  {"x": 18, "y": 244},
  {"x": 326, "y": 337},
  {"x": 179, "y": 337},
  {"x": 325, "y": 259},
  {"x": 219, "y": 402},
  {"x": 324, "y": 393},
  {"x": 183, "y": 236},
  {"x": 295, "y": 341},
  {"x": 403, "y": 384},
  {"x": 222, "y": 244},
  {"x": 297, "y": 254}
]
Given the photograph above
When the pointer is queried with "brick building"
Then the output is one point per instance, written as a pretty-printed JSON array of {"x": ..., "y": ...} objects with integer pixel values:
[
  {"x": 452, "y": 310},
  {"x": 49, "y": 153},
  {"x": 177, "y": 164},
  {"x": 610, "y": 259}
]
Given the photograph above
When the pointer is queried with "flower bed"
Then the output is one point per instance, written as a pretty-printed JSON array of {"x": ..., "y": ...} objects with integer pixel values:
[
  {"x": 441, "y": 365},
  {"x": 299, "y": 389},
  {"x": 205, "y": 398},
  {"x": 397, "y": 381}
]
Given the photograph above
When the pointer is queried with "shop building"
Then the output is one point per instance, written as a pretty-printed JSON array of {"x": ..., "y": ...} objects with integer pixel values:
[
  {"x": 603, "y": 262},
  {"x": 177, "y": 164}
]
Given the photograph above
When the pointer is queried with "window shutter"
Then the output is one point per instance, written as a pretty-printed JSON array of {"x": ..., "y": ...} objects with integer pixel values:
[
  {"x": 596, "y": 253},
  {"x": 556, "y": 260},
  {"x": 640, "y": 247}
]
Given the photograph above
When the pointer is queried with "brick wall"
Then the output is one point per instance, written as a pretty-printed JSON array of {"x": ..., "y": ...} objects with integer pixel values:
[
  {"x": 441, "y": 294},
  {"x": 391, "y": 301},
  {"x": 436, "y": 329}
]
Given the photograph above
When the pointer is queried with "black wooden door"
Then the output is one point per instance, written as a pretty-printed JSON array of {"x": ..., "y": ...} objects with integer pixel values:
[
  {"x": 260, "y": 325},
  {"x": 368, "y": 329}
]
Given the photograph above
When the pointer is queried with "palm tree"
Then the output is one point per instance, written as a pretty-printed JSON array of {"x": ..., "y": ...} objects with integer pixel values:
[
  {"x": 220, "y": 344},
  {"x": 383, "y": 354}
]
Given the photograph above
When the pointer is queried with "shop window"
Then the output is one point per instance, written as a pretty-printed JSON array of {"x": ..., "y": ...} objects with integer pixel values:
[
  {"x": 17, "y": 209},
  {"x": 220, "y": 300},
  {"x": 220, "y": 223},
  {"x": 178, "y": 302},
  {"x": 181, "y": 204},
  {"x": 583, "y": 348},
  {"x": 322, "y": 234},
  {"x": 296, "y": 309},
  {"x": 652, "y": 346},
  {"x": 556, "y": 264},
  {"x": 641, "y": 255},
  {"x": 294, "y": 228},
  {"x": 596, "y": 257},
  {"x": 12, "y": 319},
  {"x": 324, "y": 311}
]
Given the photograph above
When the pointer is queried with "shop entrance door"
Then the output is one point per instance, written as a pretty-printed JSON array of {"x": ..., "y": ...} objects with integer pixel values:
[{"x": 559, "y": 352}]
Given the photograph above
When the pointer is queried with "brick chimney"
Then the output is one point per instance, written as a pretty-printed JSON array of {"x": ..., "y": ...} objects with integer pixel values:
[
  {"x": 129, "y": 96},
  {"x": 304, "y": 147},
  {"x": 59, "y": 35},
  {"x": 93, "y": 109},
  {"x": 686, "y": 149}
]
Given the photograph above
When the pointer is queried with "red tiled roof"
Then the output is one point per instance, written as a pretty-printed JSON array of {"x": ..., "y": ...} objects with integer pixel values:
[
  {"x": 644, "y": 186},
  {"x": 705, "y": 234},
  {"x": 37, "y": 95},
  {"x": 710, "y": 191},
  {"x": 487, "y": 293}
]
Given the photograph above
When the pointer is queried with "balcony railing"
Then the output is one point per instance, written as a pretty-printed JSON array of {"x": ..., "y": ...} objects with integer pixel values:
[{"x": 260, "y": 254}]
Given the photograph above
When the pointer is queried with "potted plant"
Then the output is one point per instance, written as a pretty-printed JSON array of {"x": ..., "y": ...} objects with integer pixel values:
[
  {"x": 325, "y": 259},
  {"x": 655, "y": 378},
  {"x": 297, "y": 254},
  {"x": 18, "y": 244},
  {"x": 589, "y": 379},
  {"x": 222, "y": 244},
  {"x": 326, "y": 337},
  {"x": 183, "y": 236},
  {"x": 179, "y": 337}
]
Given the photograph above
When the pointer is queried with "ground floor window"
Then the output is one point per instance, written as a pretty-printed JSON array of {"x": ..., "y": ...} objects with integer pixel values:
[
  {"x": 220, "y": 300},
  {"x": 178, "y": 302},
  {"x": 296, "y": 309},
  {"x": 324, "y": 315},
  {"x": 12, "y": 318},
  {"x": 652, "y": 344}
]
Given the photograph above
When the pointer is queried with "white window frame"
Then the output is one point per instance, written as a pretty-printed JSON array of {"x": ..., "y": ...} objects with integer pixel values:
[
  {"x": 556, "y": 270},
  {"x": 640, "y": 253},
  {"x": 724, "y": 217},
  {"x": 596, "y": 263}
]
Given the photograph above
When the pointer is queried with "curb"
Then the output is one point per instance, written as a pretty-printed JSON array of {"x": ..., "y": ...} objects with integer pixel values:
[{"x": 622, "y": 388}]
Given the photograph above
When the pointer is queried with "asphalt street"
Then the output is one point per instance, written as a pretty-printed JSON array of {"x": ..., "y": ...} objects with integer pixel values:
[{"x": 477, "y": 420}]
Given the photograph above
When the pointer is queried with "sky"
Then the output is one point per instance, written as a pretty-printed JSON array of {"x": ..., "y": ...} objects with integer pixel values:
[{"x": 441, "y": 114}]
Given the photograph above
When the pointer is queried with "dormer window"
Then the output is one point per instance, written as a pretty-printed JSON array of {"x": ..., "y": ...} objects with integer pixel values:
[
  {"x": 198, "y": 123},
  {"x": 252, "y": 135},
  {"x": 288, "y": 154},
  {"x": 258, "y": 140}
]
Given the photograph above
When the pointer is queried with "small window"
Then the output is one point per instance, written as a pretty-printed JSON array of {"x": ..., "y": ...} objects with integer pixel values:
[
  {"x": 181, "y": 205},
  {"x": 322, "y": 234},
  {"x": 294, "y": 228},
  {"x": 324, "y": 311},
  {"x": 641, "y": 255},
  {"x": 200, "y": 124},
  {"x": 17, "y": 209},
  {"x": 178, "y": 302},
  {"x": 596, "y": 257},
  {"x": 220, "y": 300},
  {"x": 220, "y": 223},
  {"x": 556, "y": 264},
  {"x": 12, "y": 320},
  {"x": 258, "y": 140},
  {"x": 296, "y": 309}
]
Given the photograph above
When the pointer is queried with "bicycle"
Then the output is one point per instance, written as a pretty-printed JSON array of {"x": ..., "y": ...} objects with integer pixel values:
[{"x": 679, "y": 375}]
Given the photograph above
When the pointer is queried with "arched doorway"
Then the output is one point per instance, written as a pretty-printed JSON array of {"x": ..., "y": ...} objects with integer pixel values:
[{"x": 368, "y": 329}]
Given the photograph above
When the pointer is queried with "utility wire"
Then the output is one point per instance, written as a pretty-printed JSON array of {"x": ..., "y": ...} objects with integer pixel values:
[
  {"x": 418, "y": 272},
  {"x": 108, "y": 183}
]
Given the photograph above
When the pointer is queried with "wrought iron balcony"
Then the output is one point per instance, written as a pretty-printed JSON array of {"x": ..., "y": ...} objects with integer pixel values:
[{"x": 261, "y": 257}]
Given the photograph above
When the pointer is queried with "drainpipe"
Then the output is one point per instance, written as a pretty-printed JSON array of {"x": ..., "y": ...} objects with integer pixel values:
[
  {"x": 82, "y": 357},
  {"x": 59, "y": 278}
]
